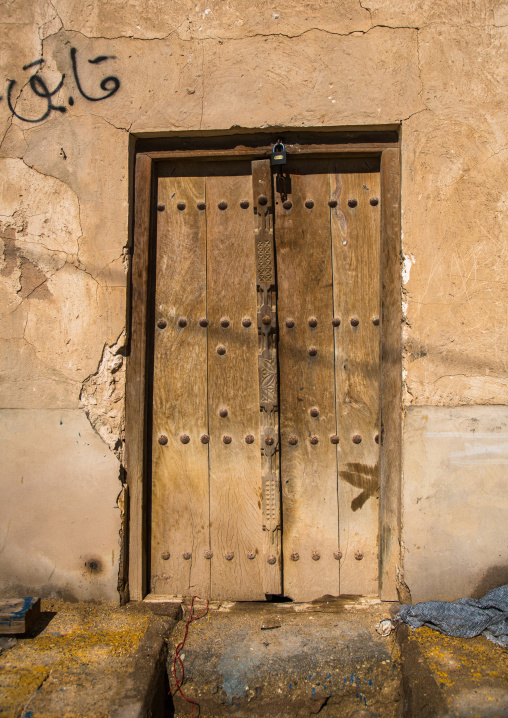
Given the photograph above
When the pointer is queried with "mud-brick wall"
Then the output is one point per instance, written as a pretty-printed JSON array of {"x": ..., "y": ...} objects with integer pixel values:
[{"x": 438, "y": 70}]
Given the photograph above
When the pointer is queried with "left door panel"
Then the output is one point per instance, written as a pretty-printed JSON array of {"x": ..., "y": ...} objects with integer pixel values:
[
  {"x": 180, "y": 490},
  {"x": 206, "y": 520}
]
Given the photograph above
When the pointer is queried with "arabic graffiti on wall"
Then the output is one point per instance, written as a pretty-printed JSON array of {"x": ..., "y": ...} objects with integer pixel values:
[{"x": 109, "y": 85}]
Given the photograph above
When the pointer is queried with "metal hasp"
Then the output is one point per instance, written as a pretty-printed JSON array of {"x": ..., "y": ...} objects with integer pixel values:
[{"x": 267, "y": 363}]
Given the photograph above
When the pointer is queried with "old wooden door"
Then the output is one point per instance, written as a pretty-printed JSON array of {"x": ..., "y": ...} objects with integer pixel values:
[{"x": 266, "y": 379}]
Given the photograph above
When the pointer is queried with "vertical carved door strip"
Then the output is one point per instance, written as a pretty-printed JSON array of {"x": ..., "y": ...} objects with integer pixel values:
[{"x": 268, "y": 390}]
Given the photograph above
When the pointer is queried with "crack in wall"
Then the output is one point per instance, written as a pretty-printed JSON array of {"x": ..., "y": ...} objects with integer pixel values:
[
  {"x": 290, "y": 36},
  {"x": 77, "y": 263},
  {"x": 11, "y": 118},
  {"x": 56, "y": 15},
  {"x": 419, "y": 70},
  {"x": 30, "y": 275},
  {"x": 203, "y": 85},
  {"x": 101, "y": 117}
]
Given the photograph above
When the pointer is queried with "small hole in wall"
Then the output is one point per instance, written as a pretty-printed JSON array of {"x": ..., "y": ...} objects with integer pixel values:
[{"x": 93, "y": 565}]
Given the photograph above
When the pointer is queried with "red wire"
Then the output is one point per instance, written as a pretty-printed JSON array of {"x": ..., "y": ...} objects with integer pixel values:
[{"x": 179, "y": 648}]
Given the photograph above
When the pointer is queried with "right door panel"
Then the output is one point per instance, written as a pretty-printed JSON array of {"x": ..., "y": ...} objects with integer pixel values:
[{"x": 327, "y": 233}]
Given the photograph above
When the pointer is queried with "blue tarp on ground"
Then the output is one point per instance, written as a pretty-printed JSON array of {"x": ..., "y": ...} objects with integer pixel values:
[{"x": 466, "y": 618}]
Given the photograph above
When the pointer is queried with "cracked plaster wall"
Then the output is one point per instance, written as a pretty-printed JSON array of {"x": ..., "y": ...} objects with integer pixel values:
[{"x": 438, "y": 69}]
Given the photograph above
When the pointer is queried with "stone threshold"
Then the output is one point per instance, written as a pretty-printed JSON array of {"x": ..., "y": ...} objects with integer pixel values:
[{"x": 326, "y": 604}]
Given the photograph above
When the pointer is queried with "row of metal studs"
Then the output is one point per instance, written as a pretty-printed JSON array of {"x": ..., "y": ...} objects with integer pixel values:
[
  {"x": 247, "y": 322},
  {"x": 244, "y": 204},
  {"x": 229, "y": 556},
  {"x": 249, "y": 439}
]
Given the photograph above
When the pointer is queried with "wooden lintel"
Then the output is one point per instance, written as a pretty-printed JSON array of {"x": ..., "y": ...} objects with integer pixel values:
[{"x": 252, "y": 153}]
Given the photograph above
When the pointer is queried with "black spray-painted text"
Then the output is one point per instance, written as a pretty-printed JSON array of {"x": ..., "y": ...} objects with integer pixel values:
[{"x": 109, "y": 85}]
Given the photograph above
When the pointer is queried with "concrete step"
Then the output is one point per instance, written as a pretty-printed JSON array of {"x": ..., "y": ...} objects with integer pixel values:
[
  {"x": 276, "y": 660},
  {"x": 446, "y": 677},
  {"x": 282, "y": 660},
  {"x": 87, "y": 659}
]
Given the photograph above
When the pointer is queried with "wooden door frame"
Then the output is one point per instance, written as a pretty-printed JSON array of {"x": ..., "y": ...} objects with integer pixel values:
[{"x": 137, "y": 389}]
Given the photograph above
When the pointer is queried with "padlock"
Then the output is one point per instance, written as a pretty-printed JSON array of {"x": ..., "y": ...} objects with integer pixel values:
[{"x": 278, "y": 156}]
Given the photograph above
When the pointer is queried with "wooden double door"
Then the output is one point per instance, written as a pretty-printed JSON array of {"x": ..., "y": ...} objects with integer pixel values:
[{"x": 266, "y": 366}]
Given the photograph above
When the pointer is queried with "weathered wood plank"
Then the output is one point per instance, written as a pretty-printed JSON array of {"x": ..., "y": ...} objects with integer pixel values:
[
  {"x": 135, "y": 387},
  {"x": 235, "y": 467},
  {"x": 250, "y": 153},
  {"x": 17, "y": 615},
  {"x": 391, "y": 379},
  {"x": 308, "y": 471},
  {"x": 180, "y": 490},
  {"x": 356, "y": 246}
]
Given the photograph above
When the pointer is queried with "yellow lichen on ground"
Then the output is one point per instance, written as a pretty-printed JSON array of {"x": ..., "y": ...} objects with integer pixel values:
[
  {"x": 16, "y": 685},
  {"x": 86, "y": 642},
  {"x": 456, "y": 659}
]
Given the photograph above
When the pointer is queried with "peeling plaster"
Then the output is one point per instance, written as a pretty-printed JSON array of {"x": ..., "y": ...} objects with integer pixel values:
[{"x": 102, "y": 395}]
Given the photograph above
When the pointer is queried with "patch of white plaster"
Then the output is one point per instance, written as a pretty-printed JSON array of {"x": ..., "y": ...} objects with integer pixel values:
[{"x": 406, "y": 267}]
